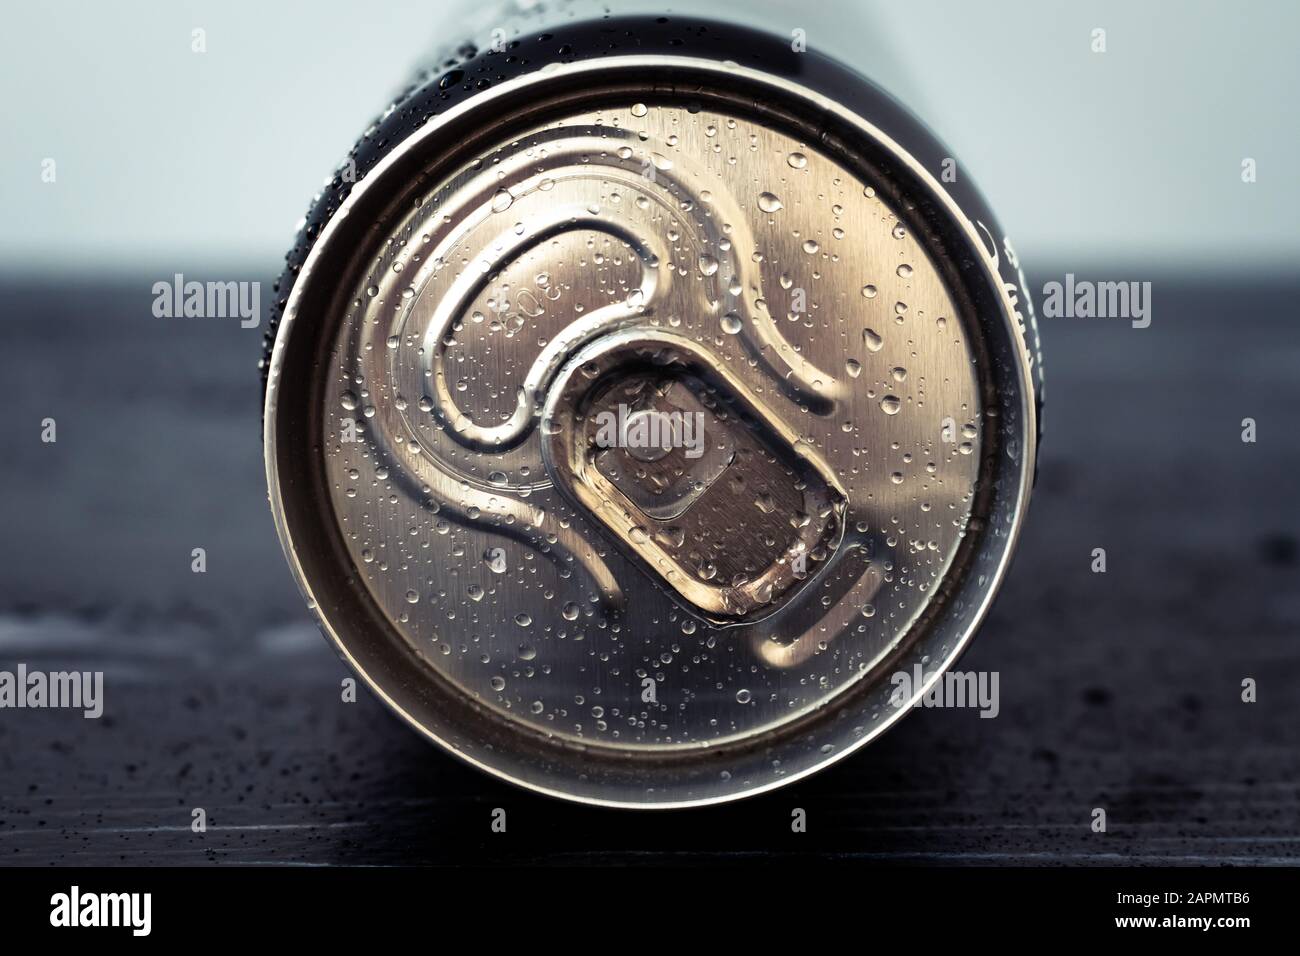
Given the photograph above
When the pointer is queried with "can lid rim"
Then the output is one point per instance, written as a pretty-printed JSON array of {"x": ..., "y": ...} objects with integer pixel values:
[{"x": 989, "y": 266}]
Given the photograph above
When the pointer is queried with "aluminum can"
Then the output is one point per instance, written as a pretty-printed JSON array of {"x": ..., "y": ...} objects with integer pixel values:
[{"x": 642, "y": 395}]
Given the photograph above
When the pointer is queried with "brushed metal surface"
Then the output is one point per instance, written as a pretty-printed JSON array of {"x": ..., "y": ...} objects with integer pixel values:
[{"x": 774, "y": 259}]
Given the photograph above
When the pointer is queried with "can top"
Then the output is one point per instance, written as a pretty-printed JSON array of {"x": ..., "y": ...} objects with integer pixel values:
[{"x": 651, "y": 427}]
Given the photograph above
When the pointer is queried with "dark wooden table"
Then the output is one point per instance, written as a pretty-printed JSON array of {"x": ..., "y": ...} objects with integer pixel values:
[{"x": 1119, "y": 690}]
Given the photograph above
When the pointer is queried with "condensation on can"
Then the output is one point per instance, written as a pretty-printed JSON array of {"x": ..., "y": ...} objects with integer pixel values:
[{"x": 639, "y": 412}]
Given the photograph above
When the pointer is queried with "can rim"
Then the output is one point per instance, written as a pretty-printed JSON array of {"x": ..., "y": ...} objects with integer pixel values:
[{"x": 605, "y": 67}]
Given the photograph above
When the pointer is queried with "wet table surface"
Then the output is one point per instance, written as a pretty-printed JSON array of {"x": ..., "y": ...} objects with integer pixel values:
[{"x": 1119, "y": 690}]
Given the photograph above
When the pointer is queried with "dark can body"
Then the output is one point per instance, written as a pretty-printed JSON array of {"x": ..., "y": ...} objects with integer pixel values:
[{"x": 641, "y": 400}]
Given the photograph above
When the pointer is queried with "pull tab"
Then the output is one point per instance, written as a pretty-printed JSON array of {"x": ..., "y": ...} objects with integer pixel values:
[{"x": 695, "y": 478}]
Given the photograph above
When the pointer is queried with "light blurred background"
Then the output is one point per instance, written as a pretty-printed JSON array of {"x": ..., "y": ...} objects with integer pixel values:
[{"x": 165, "y": 156}]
